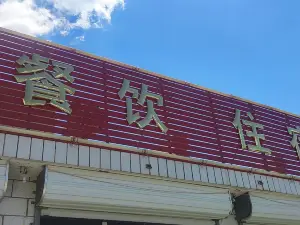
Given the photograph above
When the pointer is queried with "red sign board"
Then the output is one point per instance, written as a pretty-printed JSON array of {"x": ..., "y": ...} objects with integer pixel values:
[{"x": 114, "y": 103}]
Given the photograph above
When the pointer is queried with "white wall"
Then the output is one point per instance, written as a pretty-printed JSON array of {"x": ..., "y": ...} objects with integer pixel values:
[
  {"x": 27, "y": 148},
  {"x": 17, "y": 206}
]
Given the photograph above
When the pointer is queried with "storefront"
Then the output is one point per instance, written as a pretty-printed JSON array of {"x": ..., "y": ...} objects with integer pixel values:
[{"x": 86, "y": 140}]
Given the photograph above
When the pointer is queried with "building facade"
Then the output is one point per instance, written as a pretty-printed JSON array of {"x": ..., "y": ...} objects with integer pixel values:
[{"x": 84, "y": 139}]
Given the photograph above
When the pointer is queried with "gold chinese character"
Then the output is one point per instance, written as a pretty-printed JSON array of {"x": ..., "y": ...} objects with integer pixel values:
[
  {"x": 41, "y": 86},
  {"x": 62, "y": 71},
  {"x": 237, "y": 123},
  {"x": 294, "y": 141},
  {"x": 151, "y": 114},
  {"x": 36, "y": 64}
]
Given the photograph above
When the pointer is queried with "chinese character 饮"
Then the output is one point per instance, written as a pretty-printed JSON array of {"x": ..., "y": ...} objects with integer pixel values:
[
  {"x": 42, "y": 86},
  {"x": 141, "y": 99},
  {"x": 238, "y": 124}
]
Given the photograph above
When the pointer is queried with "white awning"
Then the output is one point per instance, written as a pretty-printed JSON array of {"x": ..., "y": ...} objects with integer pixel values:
[
  {"x": 68, "y": 191},
  {"x": 274, "y": 209},
  {"x": 3, "y": 177}
]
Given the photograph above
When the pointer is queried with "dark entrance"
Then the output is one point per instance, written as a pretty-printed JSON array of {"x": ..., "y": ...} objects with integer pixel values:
[{"x": 46, "y": 220}]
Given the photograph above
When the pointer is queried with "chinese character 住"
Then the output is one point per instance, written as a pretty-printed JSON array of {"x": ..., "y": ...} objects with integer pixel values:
[
  {"x": 253, "y": 134},
  {"x": 151, "y": 114},
  {"x": 42, "y": 87},
  {"x": 294, "y": 141}
]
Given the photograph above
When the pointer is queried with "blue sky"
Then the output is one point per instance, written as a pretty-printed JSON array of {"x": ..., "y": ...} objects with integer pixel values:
[{"x": 248, "y": 48}]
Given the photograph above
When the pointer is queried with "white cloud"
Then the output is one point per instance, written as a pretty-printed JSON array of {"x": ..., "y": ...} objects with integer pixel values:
[
  {"x": 39, "y": 17},
  {"x": 81, "y": 38},
  {"x": 25, "y": 17},
  {"x": 64, "y": 33}
]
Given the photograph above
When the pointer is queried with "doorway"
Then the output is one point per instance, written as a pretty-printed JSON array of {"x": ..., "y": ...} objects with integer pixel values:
[{"x": 47, "y": 220}]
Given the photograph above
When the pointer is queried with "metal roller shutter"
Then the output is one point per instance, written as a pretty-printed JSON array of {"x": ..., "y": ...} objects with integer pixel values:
[
  {"x": 272, "y": 209},
  {"x": 80, "y": 193}
]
